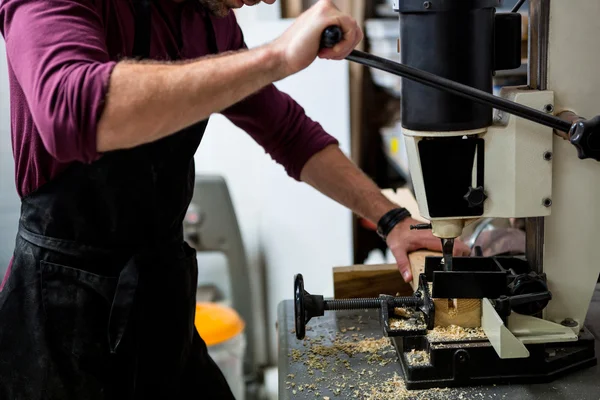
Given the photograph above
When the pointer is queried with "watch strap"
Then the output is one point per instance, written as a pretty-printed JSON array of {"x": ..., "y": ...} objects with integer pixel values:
[{"x": 390, "y": 220}]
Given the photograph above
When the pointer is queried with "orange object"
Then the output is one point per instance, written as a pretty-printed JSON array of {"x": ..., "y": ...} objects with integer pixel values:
[
  {"x": 216, "y": 323},
  {"x": 367, "y": 224}
]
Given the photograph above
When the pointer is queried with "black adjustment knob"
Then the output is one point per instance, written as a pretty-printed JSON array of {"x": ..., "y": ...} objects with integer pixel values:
[
  {"x": 306, "y": 306},
  {"x": 585, "y": 136},
  {"x": 475, "y": 196}
]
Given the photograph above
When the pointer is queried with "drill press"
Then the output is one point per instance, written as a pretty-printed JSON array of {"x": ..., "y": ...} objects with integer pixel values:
[{"x": 468, "y": 162}]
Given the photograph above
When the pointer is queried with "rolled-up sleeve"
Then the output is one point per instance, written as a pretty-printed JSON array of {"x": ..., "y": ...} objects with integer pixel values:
[
  {"x": 276, "y": 122},
  {"x": 57, "y": 51}
]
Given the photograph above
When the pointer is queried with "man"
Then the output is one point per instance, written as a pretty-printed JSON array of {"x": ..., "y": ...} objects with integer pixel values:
[{"x": 99, "y": 301}]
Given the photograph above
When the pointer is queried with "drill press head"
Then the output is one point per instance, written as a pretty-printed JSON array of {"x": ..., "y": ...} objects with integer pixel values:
[{"x": 443, "y": 132}]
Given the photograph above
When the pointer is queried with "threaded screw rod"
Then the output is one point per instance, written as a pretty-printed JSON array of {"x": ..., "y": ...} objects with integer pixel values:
[{"x": 373, "y": 303}]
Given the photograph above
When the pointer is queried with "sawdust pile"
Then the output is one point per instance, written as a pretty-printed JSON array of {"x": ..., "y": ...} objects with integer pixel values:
[
  {"x": 417, "y": 357},
  {"x": 408, "y": 320},
  {"x": 395, "y": 389},
  {"x": 407, "y": 325},
  {"x": 327, "y": 363},
  {"x": 455, "y": 333}
]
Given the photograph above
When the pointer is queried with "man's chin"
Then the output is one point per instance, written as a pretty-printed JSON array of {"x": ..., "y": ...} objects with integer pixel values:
[{"x": 223, "y": 12}]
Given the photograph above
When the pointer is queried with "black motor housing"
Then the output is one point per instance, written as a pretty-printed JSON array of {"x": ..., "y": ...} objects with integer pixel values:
[{"x": 462, "y": 40}]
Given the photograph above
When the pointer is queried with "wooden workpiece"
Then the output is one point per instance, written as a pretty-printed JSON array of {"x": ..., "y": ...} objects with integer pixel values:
[
  {"x": 460, "y": 312},
  {"x": 465, "y": 313},
  {"x": 417, "y": 264},
  {"x": 360, "y": 281}
]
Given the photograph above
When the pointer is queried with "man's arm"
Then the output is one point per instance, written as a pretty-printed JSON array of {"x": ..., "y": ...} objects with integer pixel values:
[
  {"x": 334, "y": 175},
  {"x": 58, "y": 54},
  {"x": 167, "y": 98}
]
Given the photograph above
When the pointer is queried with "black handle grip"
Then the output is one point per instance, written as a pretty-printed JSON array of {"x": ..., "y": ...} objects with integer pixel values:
[
  {"x": 585, "y": 135},
  {"x": 331, "y": 36}
]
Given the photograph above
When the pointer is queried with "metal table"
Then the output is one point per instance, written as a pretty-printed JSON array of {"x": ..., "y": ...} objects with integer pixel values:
[{"x": 324, "y": 381}]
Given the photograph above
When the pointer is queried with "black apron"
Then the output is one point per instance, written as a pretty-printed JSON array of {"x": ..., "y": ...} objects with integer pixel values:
[{"x": 100, "y": 301}]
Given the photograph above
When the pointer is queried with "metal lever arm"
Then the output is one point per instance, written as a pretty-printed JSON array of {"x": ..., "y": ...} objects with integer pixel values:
[{"x": 334, "y": 35}]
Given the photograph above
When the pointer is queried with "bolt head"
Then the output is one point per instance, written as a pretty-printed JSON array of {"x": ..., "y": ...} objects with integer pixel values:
[
  {"x": 570, "y": 322},
  {"x": 548, "y": 155},
  {"x": 547, "y": 202},
  {"x": 427, "y": 4},
  {"x": 549, "y": 108}
]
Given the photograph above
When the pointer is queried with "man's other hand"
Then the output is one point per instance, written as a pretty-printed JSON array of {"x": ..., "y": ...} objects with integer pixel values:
[
  {"x": 402, "y": 241},
  {"x": 300, "y": 44}
]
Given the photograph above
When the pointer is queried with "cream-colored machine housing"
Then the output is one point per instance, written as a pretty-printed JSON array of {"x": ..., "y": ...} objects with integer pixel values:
[{"x": 531, "y": 172}]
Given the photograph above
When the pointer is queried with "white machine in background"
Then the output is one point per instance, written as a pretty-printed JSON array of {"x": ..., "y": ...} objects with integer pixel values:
[{"x": 211, "y": 226}]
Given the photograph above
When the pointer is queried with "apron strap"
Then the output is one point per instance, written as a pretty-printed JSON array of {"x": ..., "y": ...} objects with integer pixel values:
[
  {"x": 213, "y": 48},
  {"x": 143, "y": 29}
]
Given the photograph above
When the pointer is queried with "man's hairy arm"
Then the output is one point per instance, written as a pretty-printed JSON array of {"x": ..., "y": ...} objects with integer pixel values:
[
  {"x": 333, "y": 174},
  {"x": 148, "y": 101}
]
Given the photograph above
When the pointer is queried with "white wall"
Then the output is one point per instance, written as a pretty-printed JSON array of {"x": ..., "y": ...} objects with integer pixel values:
[
  {"x": 286, "y": 224},
  {"x": 9, "y": 202}
]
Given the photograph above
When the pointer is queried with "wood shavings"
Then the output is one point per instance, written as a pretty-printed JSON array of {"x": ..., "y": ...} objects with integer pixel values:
[
  {"x": 417, "y": 357},
  {"x": 395, "y": 389},
  {"x": 403, "y": 312},
  {"x": 455, "y": 333},
  {"x": 327, "y": 361},
  {"x": 366, "y": 345},
  {"x": 407, "y": 325},
  {"x": 349, "y": 366}
]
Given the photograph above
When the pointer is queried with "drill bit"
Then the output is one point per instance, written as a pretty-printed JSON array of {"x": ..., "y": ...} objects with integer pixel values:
[{"x": 447, "y": 250}]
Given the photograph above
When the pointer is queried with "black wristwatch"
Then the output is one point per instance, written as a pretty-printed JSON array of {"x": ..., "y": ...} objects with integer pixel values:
[{"x": 390, "y": 220}]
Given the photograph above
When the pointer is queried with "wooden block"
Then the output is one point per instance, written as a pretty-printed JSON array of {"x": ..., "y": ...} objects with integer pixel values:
[
  {"x": 358, "y": 281},
  {"x": 460, "y": 312},
  {"x": 417, "y": 264}
]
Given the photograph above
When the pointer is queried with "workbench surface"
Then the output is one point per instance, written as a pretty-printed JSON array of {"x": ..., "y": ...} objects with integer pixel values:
[{"x": 333, "y": 374}]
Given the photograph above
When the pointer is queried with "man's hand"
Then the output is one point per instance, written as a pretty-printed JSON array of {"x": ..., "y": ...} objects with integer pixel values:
[
  {"x": 403, "y": 241},
  {"x": 300, "y": 44}
]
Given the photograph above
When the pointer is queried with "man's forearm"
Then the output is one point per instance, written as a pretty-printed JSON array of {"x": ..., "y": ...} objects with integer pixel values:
[
  {"x": 148, "y": 101},
  {"x": 333, "y": 174}
]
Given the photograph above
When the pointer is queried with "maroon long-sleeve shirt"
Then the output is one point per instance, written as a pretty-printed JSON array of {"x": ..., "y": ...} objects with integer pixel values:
[{"x": 60, "y": 57}]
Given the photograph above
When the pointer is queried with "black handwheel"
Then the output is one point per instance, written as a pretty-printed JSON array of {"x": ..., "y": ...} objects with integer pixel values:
[{"x": 299, "y": 310}]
